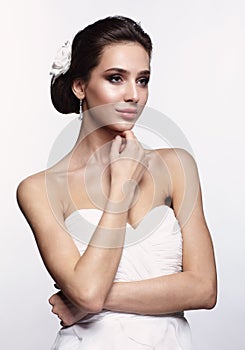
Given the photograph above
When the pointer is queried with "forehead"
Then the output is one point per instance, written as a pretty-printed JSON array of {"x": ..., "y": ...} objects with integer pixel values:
[{"x": 124, "y": 55}]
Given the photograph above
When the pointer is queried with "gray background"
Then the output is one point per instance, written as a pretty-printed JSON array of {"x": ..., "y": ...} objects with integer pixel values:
[{"x": 197, "y": 80}]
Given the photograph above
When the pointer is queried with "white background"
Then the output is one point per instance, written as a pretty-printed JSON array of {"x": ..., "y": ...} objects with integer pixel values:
[{"x": 197, "y": 80}]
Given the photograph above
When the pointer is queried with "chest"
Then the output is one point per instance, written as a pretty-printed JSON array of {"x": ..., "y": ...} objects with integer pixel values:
[{"x": 90, "y": 187}]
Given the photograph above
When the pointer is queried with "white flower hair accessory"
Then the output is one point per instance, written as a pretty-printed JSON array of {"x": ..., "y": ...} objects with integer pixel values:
[{"x": 62, "y": 61}]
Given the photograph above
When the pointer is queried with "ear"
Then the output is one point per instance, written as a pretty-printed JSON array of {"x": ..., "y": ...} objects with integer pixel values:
[{"x": 78, "y": 88}]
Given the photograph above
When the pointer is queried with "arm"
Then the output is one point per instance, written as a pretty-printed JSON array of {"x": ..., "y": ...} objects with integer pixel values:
[
  {"x": 79, "y": 277},
  {"x": 195, "y": 287},
  {"x": 87, "y": 279}
]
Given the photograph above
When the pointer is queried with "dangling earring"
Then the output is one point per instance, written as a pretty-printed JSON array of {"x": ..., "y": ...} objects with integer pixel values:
[{"x": 80, "y": 110}]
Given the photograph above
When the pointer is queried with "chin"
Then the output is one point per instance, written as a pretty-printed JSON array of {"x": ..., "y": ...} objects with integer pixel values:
[{"x": 120, "y": 127}]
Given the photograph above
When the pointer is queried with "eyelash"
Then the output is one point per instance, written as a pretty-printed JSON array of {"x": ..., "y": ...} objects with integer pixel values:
[
  {"x": 115, "y": 76},
  {"x": 144, "y": 80}
]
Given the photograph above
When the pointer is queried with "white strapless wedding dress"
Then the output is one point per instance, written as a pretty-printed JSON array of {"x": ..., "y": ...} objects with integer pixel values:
[{"x": 153, "y": 249}]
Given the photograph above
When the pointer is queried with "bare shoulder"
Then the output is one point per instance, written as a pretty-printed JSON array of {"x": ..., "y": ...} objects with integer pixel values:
[
  {"x": 36, "y": 184},
  {"x": 176, "y": 157},
  {"x": 33, "y": 185},
  {"x": 185, "y": 188},
  {"x": 181, "y": 165},
  {"x": 38, "y": 193}
]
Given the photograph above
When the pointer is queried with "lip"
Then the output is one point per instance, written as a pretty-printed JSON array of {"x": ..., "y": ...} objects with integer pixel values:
[{"x": 127, "y": 113}]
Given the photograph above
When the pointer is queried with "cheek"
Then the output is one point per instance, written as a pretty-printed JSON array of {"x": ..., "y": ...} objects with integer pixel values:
[
  {"x": 144, "y": 97},
  {"x": 103, "y": 93},
  {"x": 111, "y": 93}
]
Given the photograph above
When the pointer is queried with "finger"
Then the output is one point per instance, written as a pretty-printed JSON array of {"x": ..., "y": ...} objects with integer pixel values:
[
  {"x": 54, "y": 311},
  {"x": 130, "y": 138},
  {"x": 51, "y": 300},
  {"x": 129, "y": 135},
  {"x": 115, "y": 147},
  {"x": 123, "y": 145}
]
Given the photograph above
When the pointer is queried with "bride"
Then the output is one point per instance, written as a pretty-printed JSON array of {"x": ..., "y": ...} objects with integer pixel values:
[{"x": 115, "y": 295}]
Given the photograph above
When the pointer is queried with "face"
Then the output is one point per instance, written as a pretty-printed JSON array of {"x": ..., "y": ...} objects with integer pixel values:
[{"x": 119, "y": 84}]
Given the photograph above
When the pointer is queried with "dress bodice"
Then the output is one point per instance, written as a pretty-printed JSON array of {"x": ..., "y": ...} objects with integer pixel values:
[{"x": 153, "y": 249}]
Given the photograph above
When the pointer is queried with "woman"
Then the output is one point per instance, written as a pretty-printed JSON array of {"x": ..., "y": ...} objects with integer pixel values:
[{"x": 115, "y": 295}]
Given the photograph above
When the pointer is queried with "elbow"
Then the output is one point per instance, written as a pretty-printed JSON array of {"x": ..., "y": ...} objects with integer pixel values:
[
  {"x": 211, "y": 301},
  {"x": 89, "y": 301},
  {"x": 210, "y": 296},
  {"x": 91, "y": 306}
]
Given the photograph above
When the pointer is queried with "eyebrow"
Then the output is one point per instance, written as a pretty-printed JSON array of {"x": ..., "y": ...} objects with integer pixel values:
[{"x": 124, "y": 71}]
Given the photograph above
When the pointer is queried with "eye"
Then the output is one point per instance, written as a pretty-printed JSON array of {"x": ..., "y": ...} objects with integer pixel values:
[
  {"x": 115, "y": 78},
  {"x": 143, "y": 81}
]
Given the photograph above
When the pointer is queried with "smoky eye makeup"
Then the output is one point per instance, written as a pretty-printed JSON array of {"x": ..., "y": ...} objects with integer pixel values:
[
  {"x": 117, "y": 78},
  {"x": 114, "y": 78},
  {"x": 143, "y": 80},
  {"x": 117, "y": 75}
]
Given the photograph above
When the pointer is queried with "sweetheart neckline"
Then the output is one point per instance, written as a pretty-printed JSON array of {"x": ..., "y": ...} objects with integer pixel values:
[{"x": 100, "y": 210}]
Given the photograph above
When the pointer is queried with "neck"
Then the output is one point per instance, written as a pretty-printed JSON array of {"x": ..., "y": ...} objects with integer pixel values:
[{"x": 93, "y": 140}]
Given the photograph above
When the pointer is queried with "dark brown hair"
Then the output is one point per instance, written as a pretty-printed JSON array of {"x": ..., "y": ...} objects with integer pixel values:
[{"x": 87, "y": 47}]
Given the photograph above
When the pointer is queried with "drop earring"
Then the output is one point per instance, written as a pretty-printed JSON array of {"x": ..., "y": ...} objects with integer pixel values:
[{"x": 80, "y": 110}]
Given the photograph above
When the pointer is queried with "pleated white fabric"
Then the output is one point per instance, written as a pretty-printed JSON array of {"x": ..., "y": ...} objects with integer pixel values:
[{"x": 153, "y": 249}]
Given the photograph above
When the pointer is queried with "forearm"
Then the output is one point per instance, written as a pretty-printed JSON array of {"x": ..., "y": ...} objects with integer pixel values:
[
  {"x": 95, "y": 270},
  {"x": 165, "y": 294}
]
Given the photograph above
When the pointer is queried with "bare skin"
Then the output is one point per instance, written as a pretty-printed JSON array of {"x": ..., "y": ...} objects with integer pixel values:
[
  {"x": 149, "y": 178},
  {"x": 194, "y": 288}
]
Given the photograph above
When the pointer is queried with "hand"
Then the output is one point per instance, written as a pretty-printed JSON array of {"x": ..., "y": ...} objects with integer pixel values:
[
  {"x": 128, "y": 160},
  {"x": 65, "y": 310}
]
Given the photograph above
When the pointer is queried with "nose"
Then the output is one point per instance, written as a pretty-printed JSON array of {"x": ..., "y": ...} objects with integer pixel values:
[{"x": 131, "y": 93}]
